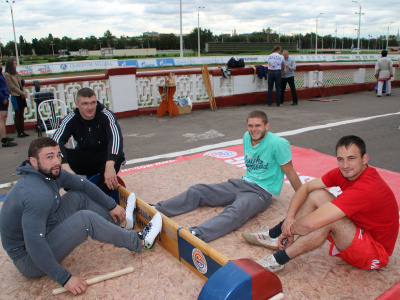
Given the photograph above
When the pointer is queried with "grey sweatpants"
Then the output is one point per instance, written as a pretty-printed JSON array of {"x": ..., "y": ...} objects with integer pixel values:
[
  {"x": 242, "y": 199},
  {"x": 79, "y": 217}
]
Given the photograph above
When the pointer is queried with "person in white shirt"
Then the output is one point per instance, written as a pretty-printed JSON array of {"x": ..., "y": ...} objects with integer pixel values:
[
  {"x": 384, "y": 72},
  {"x": 276, "y": 66}
]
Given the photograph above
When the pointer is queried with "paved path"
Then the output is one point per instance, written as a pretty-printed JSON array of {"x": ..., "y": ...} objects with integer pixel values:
[{"x": 319, "y": 125}]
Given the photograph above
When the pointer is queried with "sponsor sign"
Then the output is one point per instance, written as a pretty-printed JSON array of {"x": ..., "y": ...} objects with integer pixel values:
[
  {"x": 84, "y": 65},
  {"x": 146, "y": 63},
  {"x": 164, "y": 62},
  {"x": 223, "y": 154},
  {"x": 128, "y": 63},
  {"x": 199, "y": 261},
  {"x": 25, "y": 70}
]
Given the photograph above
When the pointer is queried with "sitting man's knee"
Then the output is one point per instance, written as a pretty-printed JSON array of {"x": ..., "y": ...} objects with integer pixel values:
[{"x": 319, "y": 197}]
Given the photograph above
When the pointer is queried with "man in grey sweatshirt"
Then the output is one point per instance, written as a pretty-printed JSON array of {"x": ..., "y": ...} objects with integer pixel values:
[
  {"x": 288, "y": 77},
  {"x": 39, "y": 228}
]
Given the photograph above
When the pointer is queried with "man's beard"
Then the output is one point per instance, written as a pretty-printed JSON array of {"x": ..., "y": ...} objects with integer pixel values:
[
  {"x": 261, "y": 137},
  {"x": 48, "y": 173}
]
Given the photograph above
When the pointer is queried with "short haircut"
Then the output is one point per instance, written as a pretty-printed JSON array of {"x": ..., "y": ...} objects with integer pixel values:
[
  {"x": 384, "y": 53},
  {"x": 10, "y": 69},
  {"x": 85, "y": 93},
  {"x": 259, "y": 115},
  {"x": 276, "y": 48},
  {"x": 284, "y": 51},
  {"x": 40, "y": 143},
  {"x": 349, "y": 140}
]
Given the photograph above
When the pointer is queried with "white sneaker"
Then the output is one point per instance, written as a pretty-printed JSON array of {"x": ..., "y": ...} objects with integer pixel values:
[
  {"x": 262, "y": 238},
  {"x": 270, "y": 263},
  {"x": 130, "y": 211},
  {"x": 151, "y": 231}
]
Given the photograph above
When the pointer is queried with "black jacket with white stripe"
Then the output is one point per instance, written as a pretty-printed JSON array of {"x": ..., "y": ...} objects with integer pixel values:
[{"x": 100, "y": 133}]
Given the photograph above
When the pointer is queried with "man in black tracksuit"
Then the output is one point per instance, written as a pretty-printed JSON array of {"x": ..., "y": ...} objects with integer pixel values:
[{"x": 98, "y": 137}]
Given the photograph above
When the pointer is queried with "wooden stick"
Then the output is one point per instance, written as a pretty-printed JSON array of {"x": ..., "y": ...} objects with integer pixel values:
[{"x": 98, "y": 279}]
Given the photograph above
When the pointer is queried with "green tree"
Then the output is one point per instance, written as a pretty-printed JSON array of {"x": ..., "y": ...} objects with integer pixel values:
[
  {"x": 167, "y": 41},
  {"x": 9, "y": 49},
  {"x": 108, "y": 38},
  {"x": 191, "y": 40}
]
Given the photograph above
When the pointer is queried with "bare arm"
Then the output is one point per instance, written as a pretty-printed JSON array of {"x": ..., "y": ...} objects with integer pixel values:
[
  {"x": 301, "y": 195},
  {"x": 110, "y": 176},
  {"x": 291, "y": 175},
  {"x": 324, "y": 215},
  {"x": 296, "y": 203}
]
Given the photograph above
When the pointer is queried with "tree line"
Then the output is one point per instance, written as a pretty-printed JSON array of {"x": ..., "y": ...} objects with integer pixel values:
[{"x": 50, "y": 45}]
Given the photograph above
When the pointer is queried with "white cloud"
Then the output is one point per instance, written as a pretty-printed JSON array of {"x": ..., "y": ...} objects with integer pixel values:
[{"x": 73, "y": 18}]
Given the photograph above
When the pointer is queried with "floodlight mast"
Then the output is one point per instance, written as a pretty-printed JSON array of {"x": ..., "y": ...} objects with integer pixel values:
[{"x": 15, "y": 37}]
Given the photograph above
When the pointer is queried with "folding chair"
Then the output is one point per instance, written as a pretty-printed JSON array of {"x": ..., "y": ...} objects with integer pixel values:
[{"x": 51, "y": 113}]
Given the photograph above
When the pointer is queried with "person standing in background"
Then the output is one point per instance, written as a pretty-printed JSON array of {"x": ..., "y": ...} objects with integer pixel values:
[
  {"x": 383, "y": 72},
  {"x": 4, "y": 95},
  {"x": 275, "y": 71},
  {"x": 18, "y": 96},
  {"x": 288, "y": 77}
]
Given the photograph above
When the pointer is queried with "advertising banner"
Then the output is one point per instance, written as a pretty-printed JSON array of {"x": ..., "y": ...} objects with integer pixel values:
[{"x": 183, "y": 61}]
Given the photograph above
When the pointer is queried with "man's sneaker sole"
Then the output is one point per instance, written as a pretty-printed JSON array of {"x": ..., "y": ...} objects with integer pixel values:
[
  {"x": 271, "y": 268},
  {"x": 253, "y": 240},
  {"x": 152, "y": 229},
  {"x": 268, "y": 262},
  {"x": 130, "y": 211}
]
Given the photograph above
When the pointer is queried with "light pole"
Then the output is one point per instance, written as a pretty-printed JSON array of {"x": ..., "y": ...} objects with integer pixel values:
[
  {"x": 198, "y": 27},
  {"x": 52, "y": 47},
  {"x": 316, "y": 33},
  {"x": 370, "y": 36},
  {"x": 181, "y": 38},
  {"x": 15, "y": 37},
  {"x": 387, "y": 40},
  {"x": 359, "y": 25}
]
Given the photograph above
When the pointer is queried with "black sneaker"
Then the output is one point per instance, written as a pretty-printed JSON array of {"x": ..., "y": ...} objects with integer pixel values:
[
  {"x": 151, "y": 231},
  {"x": 9, "y": 139},
  {"x": 8, "y": 144}
]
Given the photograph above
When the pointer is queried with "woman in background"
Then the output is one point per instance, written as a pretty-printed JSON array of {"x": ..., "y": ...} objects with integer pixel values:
[
  {"x": 18, "y": 96},
  {"x": 4, "y": 95}
]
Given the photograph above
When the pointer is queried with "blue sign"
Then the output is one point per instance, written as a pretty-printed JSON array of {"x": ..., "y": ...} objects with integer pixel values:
[
  {"x": 128, "y": 63},
  {"x": 162, "y": 62}
]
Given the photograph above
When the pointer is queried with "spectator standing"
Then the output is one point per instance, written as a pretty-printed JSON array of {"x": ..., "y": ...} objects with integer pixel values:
[
  {"x": 4, "y": 101},
  {"x": 288, "y": 77},
  {"x": 384, "y": 72},
  {"x": 275, "y": 71},
  {"x": 18, "y": 95}
]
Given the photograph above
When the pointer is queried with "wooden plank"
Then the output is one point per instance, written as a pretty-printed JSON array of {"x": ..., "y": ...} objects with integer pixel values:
[
  {"x": 195, "y": 254},
  {"x": 207, "y": 82}
]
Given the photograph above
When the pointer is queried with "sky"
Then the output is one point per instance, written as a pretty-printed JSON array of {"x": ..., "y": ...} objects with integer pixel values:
[{"x": 83, "y": 18}]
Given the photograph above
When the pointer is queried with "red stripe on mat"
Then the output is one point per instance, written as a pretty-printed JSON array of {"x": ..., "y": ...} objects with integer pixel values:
[{"x": 391, "y": 294}]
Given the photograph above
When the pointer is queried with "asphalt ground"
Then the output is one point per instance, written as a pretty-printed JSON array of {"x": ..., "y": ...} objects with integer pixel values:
[{"x": 319, "y": 125}]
